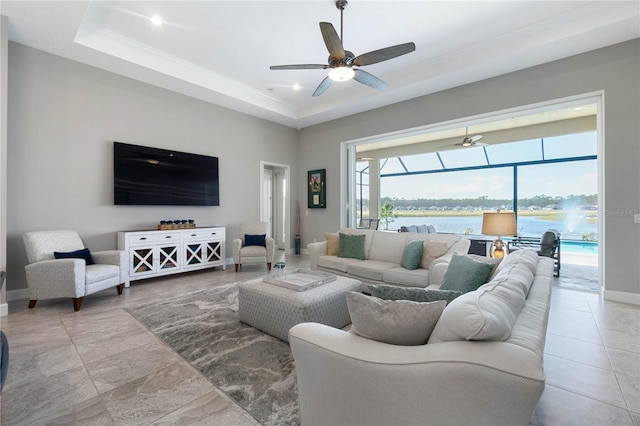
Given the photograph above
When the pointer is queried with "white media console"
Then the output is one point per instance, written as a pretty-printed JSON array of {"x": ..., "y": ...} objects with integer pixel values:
[{"x": 155, "y": 253}]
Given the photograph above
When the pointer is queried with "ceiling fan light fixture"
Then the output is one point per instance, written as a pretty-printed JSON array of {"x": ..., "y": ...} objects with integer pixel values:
[{"x": 341, "y": 74}]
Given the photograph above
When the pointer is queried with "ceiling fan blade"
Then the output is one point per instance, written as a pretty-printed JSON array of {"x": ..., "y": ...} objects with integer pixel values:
[
  {"x": 475, "y": 138},
  {"x": 299, "y": 67},
  {"x": 384, "y": 54},
  {"x": 331, "y": 40},
  {"x": 323, "y": 86},
  {"x": 369, "y": 79}
]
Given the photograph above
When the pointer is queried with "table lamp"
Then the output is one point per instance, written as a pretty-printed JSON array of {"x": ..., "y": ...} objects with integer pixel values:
[{"x": 498, "y": 224}]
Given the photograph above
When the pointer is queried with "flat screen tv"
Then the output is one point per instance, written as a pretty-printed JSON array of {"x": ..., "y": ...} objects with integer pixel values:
[{"x": 159, "y": 177}]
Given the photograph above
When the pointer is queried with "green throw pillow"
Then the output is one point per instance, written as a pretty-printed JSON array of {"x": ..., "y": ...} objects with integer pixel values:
[
  {"x": 412, "y": 255},
  {"x": 392, "y": 292},
  {"x": 352, "y": 246},
  {"x": 465, "y": 274}
]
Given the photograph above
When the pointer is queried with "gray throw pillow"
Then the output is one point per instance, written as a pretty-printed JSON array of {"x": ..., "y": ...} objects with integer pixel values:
[
  {"x": 465, "y": 274},
  {"x": 351, "y": 246},
  {"x": 412, "y": 255},
  {"x": 392, "y": 292},
  {"x": 397, "y": 322}
]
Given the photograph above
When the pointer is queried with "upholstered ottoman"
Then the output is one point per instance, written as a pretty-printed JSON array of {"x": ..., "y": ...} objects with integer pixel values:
[{"x": 274, "y": 309}]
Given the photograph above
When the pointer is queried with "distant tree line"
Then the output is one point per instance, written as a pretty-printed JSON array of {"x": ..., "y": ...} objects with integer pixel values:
[{"x": 541, "y": 201}]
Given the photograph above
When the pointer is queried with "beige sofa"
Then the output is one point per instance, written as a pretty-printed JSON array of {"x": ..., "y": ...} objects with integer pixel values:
[
  {"x": 383, "y": 251},
  {"x": 347, "y": 379}
]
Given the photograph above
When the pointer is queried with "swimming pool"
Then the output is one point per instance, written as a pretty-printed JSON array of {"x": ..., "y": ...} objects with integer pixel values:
[{"x": 569, "y": 246}]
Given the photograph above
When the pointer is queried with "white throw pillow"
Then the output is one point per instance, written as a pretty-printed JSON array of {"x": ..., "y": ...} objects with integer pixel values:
[{"x": 398, "y": 322}]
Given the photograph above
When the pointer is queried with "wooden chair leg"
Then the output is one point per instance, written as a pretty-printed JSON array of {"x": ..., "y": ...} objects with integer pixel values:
[
  {"x": 77, "y": 302},
  {"x": 237, "y": 267},
  {"x": 269, "y": 265},
  {"x": 120, "y": 287},
  {"x": 32, "y": 303}
]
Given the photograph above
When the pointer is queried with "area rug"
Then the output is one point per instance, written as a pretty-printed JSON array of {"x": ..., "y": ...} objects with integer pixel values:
[{"x": 251, "y": 367}]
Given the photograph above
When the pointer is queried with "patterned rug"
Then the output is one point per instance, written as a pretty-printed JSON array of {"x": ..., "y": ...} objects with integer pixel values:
[{"x": 253, "y": 368}]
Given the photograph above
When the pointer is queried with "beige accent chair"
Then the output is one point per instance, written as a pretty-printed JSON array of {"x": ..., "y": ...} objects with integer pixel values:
[
  {"x": 51, "y": 278},
  {"x": 251, "y": 255}
]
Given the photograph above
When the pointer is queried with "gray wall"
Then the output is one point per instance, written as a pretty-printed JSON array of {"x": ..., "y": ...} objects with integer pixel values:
[
  {"x": 63, "y": 118},
  {"x": 615, "y": 69}
]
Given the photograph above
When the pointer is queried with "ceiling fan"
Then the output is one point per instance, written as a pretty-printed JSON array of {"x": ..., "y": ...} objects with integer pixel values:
[
  {"x": 344, "y": 64},
  {"x": 470, "y": 140}
]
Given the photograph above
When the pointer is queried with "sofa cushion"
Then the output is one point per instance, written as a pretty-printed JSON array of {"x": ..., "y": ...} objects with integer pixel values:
[
  {"x": 465, "y": 274},
  {"x": 431, "y": 251},
  {"x": 402, "y": 276},
  {"x": 412, "y": 255},
  {"x": 352, "y": 246},
  {"x": 527, "y": 257},
  {"x": 336, "y": 263},
  {"x": 405, "y": 277},
  {"x": 422, "y": 229},
  {"x": 392, "y": 292},
  {"x": 333, "y": 243},
  {"x": 431, "y": 229},
  {"x": 387, "y": 246},
  {"x": 398, "y": 322},
  {"x": 369, "y": 269},
  {"x": 487, "y": 313}
]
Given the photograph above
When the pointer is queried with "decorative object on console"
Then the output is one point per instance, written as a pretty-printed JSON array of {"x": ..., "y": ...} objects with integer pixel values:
[
  {"x": 177, "y": 224},
  {"x": 317, "y": 196},
  {"x": 498, "y": 224}
]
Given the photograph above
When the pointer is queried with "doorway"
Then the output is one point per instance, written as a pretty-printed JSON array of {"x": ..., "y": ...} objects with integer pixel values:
[{"x": 275, "y": 203}]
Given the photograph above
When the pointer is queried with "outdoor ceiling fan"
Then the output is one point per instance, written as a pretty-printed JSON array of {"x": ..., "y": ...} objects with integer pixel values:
[
  {"x": 470, "y": 140},
  {"x": 344, "y": 64}
]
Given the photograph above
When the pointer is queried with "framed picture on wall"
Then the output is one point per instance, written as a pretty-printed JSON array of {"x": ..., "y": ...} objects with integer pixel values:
[{"x": 317, "y": 191}]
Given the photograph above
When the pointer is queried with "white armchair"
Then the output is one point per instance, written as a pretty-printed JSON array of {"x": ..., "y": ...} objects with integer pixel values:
[
  {"x": 244, "y": 254},
  {"x": 51, "y": 278}
]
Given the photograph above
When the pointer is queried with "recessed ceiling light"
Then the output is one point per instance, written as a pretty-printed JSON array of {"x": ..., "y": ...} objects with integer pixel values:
[
  {"x": 296, "y": 86},
  {"x": 156, "y": 20},
  {"x": 578, "y": 108}
]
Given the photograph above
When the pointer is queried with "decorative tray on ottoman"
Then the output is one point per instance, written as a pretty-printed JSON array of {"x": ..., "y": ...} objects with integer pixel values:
[{"x": 300, "y": 279}]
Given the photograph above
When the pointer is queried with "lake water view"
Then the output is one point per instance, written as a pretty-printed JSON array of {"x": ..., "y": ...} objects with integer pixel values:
[{"x": 571, "y": 230}]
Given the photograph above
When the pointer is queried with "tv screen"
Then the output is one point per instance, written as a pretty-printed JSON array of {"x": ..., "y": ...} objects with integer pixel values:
[{"x": 159, "y": 177}]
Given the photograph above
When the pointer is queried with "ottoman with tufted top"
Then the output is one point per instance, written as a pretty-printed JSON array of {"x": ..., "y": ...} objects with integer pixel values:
[{"x": 274, "y": 309}]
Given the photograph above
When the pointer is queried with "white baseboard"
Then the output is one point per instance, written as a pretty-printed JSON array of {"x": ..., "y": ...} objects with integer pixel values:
[
  {"x": 621, "y": 296},
  {"x": 4, "y": 310},
  {"x": 20, "y": 294}
]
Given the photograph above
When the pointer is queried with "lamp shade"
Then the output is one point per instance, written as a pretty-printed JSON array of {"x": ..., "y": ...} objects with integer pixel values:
[{"x": 499, "y": 224}]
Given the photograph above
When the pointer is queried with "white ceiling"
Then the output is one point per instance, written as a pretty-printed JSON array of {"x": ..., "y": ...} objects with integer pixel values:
[{"x": 220, "y": 51}]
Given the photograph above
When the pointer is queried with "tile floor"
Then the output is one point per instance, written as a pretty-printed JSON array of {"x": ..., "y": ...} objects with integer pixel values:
[{"x": 99, "y": 366}]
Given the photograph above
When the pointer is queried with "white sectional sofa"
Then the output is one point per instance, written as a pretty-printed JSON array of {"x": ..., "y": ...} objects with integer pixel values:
[
  {"x": 383, "y": 251},
  {"x": 482, "y": 365}
]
